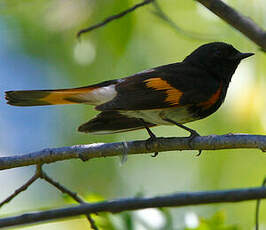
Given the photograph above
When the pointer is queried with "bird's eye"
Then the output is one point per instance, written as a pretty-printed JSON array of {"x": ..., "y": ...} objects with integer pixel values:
[{"x": 218, "y": 53}]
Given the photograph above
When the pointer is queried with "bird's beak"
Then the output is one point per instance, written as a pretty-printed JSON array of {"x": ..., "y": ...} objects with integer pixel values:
[{"x": 239, "y": 56}]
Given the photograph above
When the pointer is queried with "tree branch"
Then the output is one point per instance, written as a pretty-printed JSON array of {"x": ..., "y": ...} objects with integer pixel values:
[
  {"x": 115, "y": 206},
  {"x": 22, "y": 188},
  {"x": 240, "y": 22},
  {"x": 39, "y": 173},
  {"x": 65, "y": 190},
  {"x": 86, "y": 152},
  {"x": 113, "y": 17},
  {"x": 185, "y": 33}
]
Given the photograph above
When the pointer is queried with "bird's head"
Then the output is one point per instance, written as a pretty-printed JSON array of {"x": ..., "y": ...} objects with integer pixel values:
[{"x": 218, "y": 58}]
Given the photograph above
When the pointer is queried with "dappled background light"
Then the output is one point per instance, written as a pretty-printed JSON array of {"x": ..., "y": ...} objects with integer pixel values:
[{"x": 84, "y": 52}]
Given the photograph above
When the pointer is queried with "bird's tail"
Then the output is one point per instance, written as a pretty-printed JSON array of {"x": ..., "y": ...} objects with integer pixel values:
[
  {"x": 94, "y": 95},
  {"x": 47, "y": 97}
]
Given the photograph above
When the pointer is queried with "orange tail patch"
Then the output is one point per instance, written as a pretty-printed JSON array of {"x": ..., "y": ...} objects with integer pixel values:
[{"x": 48, "y": 97}]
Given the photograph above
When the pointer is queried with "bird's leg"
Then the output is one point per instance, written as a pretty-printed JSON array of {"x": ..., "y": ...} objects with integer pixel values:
[
  {"x": 193, "y": 133},
  {"x": 151, "y": 139}
]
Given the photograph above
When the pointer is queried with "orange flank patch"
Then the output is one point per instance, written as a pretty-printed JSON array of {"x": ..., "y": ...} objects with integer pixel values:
[
  {"x": 213, "y": 99},
  {"x": 66, "y": 96},
  {"x": 173, "y": 95}
]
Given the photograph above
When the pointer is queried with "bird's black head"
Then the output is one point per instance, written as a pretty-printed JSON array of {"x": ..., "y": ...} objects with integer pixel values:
[{"x": 218, "y": 58}]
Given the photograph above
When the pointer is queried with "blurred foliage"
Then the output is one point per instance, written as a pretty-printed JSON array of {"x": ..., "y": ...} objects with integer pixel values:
[
  {"x": 216, "y": 222},
  {"x": 39, "y": 49},
  {"x": 133, "y": 221}
]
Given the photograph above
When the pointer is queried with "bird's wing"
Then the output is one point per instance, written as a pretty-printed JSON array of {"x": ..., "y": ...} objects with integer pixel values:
[{"x": 163, "y": 87}]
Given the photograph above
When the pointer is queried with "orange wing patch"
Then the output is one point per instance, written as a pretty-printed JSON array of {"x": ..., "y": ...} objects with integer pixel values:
[
  {"x": 173, "y": 95},
  {"x": 213, "y": 99}
]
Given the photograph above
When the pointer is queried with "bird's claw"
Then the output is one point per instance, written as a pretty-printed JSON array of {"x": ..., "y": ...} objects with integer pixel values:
[
  {"x": 194, "y": 134},
  {"x": 149, "y": 142}
]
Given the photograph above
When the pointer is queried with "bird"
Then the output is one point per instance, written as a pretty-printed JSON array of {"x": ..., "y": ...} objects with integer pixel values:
[{"x": 172, "y": 94}]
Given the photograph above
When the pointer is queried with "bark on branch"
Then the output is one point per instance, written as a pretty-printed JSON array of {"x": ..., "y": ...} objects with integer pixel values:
[
  {"x": 115, "y": 206},
  {"x": 86, "y": 152},
  {"x": 240, "y": 22}
]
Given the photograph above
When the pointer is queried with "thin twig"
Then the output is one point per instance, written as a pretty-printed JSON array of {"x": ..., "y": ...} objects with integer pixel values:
[
  {"x": 257, "y": 213},
  {"x": 240, "y": 22},
  {"x": 187, "y": 34},
  {"x": 90, "y": 151},
  {"x": 23, "y": 187},
  {"x": 113, "y": 17},
  {"x": 129, "y": 204},
  {"x": 39, "y": 173},
  {"x": 65, "y": 190},
  {"x": 61, "y": 188}
]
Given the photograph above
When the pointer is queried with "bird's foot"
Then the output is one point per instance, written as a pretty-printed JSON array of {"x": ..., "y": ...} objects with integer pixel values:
[
  {"x": 193, "y": 134},
  {"x": 150, "y": 142}
]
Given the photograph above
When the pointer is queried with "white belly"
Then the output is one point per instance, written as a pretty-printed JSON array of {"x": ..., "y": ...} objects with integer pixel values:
[{"x": 155, "y": 116}]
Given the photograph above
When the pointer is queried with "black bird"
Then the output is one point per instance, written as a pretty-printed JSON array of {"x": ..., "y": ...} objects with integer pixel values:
[{"x": 171, "y": 94}]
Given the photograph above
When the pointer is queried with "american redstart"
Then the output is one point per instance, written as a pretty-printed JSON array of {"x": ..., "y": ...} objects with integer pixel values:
[{"x": 170, "y": 94}]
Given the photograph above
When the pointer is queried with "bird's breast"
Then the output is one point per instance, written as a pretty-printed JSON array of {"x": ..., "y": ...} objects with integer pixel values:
[{"x": 206, "y": 108}]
